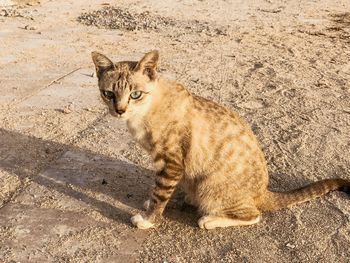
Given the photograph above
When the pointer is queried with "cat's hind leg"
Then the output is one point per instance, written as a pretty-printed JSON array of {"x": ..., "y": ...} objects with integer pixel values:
[
  {"x": 229, "y": 218},
  {"x": 211, "y": 222}
]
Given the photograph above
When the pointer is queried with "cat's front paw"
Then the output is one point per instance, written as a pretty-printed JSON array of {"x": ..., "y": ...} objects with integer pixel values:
[{"x": 140, "y": 222}]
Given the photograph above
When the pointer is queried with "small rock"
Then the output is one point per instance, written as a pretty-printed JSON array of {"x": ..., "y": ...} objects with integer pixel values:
[
  {"x": 251, "y": 105},
  {"x": 104, "y": 181},
  {"x": 68, "y": 109},
  {"x": 4, "y": 13},
  {"x": 290, "y": 245},
  {"x": 27, "y": 27},
  {"x": 258, "y": 65},
  {"x": 48, "y": 150}
]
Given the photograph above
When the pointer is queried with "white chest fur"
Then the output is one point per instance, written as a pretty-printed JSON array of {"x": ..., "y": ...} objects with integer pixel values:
[
  {"x": 139, "y": 132},
  {"x": 137, "y": 128}
]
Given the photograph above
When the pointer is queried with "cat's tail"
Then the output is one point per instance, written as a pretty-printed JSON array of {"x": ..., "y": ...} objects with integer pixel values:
[{"x": 276, "y": 200}]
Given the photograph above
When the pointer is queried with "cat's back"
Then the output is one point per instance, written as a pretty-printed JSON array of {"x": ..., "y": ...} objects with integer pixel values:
[
  {"x": 220, "y": 138},
  {"x": 210, "y": 117}
]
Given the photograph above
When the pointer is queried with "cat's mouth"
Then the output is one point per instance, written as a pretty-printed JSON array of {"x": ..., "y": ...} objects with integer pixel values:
[
  {"x": 114, "y": 113},
  {"x": 121, "y": 115}
]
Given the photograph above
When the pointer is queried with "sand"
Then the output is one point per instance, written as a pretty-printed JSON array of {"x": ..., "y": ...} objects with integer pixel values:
[{"x": 70, "y": 174}]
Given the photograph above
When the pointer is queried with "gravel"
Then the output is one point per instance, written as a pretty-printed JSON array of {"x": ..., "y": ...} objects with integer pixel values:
[{"x": 117, "y": 18}]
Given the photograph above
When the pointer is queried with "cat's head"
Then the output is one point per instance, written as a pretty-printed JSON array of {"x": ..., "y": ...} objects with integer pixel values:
[{"x": 126, "y": 87}]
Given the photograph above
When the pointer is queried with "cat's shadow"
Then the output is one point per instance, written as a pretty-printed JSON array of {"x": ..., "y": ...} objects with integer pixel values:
[{"x": 110, "y": 186}]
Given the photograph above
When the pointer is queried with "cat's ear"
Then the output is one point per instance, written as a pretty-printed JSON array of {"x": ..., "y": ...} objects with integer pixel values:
[
  {"x": 102, "y": 63},
  {"x": 148, "y": 64}
]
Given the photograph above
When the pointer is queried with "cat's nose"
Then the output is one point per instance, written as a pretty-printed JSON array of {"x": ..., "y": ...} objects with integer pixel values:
[{"x": 120, "y": 111}]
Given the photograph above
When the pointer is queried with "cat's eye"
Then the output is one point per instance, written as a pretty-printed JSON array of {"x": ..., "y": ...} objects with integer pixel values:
[
  {"x": 108, "y": 94},
  {"x": 135, "y": 94}
]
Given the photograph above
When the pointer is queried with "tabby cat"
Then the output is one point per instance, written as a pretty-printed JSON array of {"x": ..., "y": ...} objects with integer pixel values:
[{"x": 206, "y": 149}]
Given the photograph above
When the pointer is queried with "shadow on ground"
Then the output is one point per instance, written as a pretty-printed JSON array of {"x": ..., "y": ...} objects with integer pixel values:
[{"x": 77, "y": 173}]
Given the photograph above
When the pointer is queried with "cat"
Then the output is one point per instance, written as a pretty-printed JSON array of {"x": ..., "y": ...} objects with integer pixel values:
[{"x": 205, "y": 148}]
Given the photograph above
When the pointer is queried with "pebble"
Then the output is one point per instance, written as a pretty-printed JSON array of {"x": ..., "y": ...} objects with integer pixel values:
[
  {"x": 251, "y": 105},
  {"x": 290, "y": 245}
]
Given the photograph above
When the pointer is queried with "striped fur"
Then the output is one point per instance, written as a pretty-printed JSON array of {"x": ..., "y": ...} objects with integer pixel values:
[{"x": 206, "y": 149}]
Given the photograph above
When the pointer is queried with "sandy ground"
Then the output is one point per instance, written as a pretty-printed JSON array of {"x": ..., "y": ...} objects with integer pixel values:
[{"x": 70, "y": 175}]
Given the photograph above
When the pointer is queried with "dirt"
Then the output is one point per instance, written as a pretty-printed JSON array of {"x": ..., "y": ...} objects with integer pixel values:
[{"x": 70, "y": 174}]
